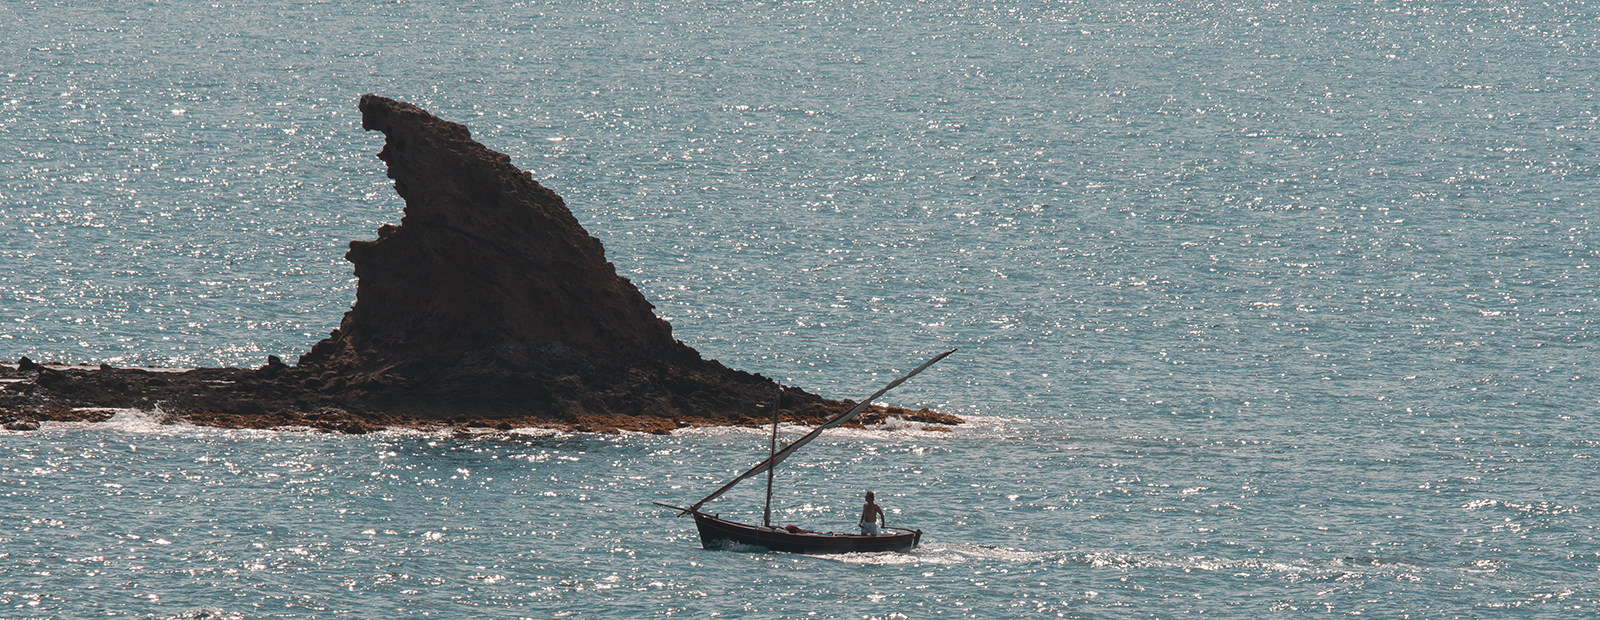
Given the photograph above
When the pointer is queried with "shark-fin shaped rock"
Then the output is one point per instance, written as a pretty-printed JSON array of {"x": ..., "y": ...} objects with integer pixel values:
[{"x": 490, "y": 298}]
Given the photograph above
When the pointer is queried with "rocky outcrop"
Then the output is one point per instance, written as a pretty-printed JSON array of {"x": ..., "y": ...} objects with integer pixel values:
[
  {"x": 490, "y": 297},
  {"x": 487, "y": 302},
  {"x": 485, "y": 264}
]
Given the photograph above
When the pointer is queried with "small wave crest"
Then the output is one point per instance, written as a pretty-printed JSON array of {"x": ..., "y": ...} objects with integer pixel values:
[
  {"x": 205, "y": 613},
  {"x": 138, "y": 421}
]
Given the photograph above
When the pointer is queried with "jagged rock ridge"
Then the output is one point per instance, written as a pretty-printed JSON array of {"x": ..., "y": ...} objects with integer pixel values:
[
  {"x": 491, "y": 295},
  {"x": 484, "y": 259}
]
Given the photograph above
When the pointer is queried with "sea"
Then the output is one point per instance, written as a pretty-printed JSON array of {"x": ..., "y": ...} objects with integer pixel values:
[{"x": 1261, "y": 309}]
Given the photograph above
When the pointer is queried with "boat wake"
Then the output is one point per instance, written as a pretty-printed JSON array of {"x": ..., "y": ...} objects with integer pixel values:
[{"x": 944, "y": 554}]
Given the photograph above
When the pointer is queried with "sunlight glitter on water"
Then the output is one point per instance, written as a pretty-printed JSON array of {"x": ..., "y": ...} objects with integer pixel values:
[{"x": 1261, "y": 308}]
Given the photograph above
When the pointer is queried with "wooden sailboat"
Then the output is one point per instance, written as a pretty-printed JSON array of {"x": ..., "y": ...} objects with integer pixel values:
[{"x": 717, "y": 533}]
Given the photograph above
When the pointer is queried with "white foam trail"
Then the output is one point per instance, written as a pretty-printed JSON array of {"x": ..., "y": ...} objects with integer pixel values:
[
  {"x": 893, "y": 428},
  {"x": 534, "y": 431}
]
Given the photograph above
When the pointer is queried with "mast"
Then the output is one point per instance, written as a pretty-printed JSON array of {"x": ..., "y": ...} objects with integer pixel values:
[
  {"x": 772, "y": 450},
  {"x": 779, "y": 456}
]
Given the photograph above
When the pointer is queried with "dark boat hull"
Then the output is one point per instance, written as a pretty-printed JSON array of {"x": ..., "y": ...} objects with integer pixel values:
[{"x": 718, "y": 533}]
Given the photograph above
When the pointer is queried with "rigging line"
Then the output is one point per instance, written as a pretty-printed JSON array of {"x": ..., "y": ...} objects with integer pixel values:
[{"x": 772, "y": 461}]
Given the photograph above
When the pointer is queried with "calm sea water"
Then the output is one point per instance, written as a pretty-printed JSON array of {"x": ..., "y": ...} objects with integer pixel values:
[{"x": 1263, "y": 309}]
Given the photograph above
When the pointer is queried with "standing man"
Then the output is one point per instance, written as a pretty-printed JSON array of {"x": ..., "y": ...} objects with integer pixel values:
[{"x": 870, "y": 516}]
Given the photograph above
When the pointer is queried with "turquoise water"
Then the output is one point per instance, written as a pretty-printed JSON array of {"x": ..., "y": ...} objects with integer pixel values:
[{"x": 1261, "y": 309}]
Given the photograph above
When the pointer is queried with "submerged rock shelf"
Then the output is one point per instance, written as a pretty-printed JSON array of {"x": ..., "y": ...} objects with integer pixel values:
[{"x": 488, "y": 306}]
